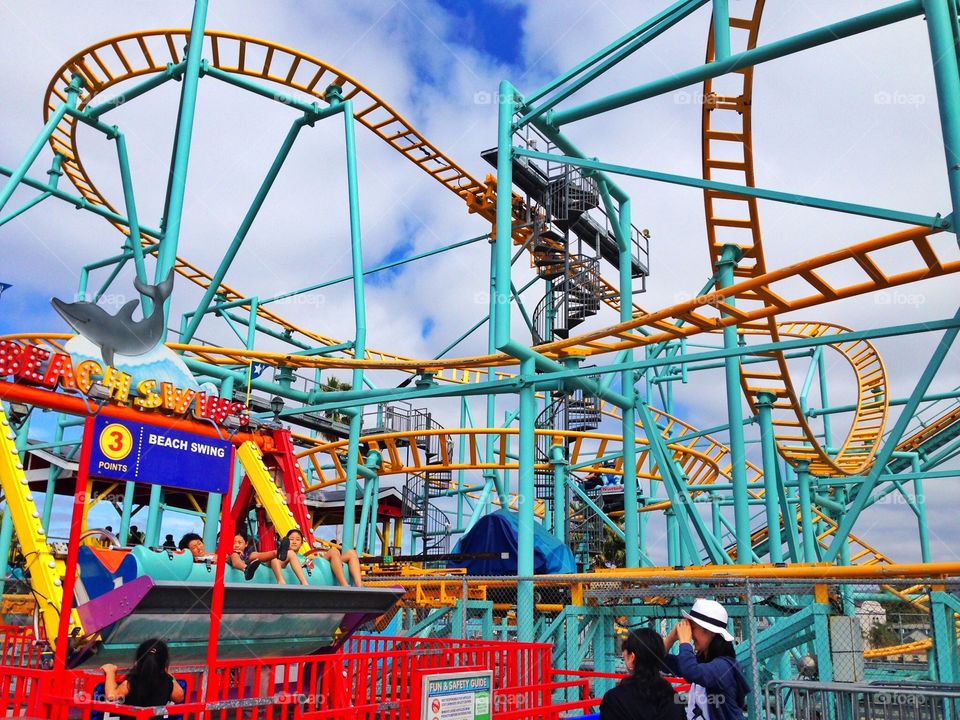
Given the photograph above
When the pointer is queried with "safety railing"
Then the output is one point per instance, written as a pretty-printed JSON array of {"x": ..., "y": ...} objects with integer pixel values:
[{"x": 798, "y": 700}]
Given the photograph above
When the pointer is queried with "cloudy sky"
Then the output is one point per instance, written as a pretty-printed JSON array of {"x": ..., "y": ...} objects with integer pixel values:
[{"x": 855, "y": 120}]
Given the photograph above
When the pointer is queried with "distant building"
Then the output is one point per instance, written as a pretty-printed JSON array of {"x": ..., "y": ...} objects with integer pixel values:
[{"x": 870, "y": 613}]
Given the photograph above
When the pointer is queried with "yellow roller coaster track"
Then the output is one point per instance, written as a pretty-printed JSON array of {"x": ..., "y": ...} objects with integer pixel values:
[
  {"x": 728, "y": 152},
  {"x": 133, "y": 55}
]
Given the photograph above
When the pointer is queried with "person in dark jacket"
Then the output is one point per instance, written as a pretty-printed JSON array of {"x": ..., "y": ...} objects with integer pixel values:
[
  {"x": 708, "y": 661},
  {"x": 643, "y": 694}
]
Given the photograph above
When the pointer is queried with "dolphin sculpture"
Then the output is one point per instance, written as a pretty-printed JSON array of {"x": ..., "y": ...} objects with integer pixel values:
[{"x": 119, "y": 333}]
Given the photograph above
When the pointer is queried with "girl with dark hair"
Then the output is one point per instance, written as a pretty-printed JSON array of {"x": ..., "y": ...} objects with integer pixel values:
[
  {"x": 287, "y": 554},
  {"x": 644, "y": 694},
  {"x": 148, "y": 683},
  {"x": 708, "y": 660}
]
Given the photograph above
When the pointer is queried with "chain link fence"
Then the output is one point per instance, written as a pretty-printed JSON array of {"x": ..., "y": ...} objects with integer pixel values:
[{"x": 787, "y": 630}]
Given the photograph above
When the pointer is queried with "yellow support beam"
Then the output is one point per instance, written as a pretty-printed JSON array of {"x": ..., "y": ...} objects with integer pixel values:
[
  {"x": 45, "y": 572},
  {"x": 270, "y": 496}
]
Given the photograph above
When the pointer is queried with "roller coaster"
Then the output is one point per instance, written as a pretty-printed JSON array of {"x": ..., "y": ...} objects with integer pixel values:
[{"x": 596, "y": 447}]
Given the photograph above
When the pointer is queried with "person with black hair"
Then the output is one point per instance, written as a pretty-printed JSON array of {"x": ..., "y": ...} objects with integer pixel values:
[
  {"x": 194, "y": 543},
  {"x": 246, "y": 558},
  {"x": 148, "y": 684},
  {"x": 288, "y": 554},
  {"x": 169, "y": 543},
  {"x": 707, "y": 659},
  {"x": 644, "y": 694}
]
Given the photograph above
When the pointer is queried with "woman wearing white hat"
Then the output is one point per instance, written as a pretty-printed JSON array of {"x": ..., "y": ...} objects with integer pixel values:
[{"x": 707, "y": 660}]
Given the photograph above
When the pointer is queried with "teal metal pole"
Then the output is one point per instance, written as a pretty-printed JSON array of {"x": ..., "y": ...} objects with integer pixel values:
[
  {"x": 126, "y": 512},
  {"x": 380, "y": 268},
  {"x": 559, "y": 459},
  {"x": 360, "y": 318},
  {"x": 768, "y": 446},
  {"x": 79, "y": 202},
  {"x": 32, "y": 202},
  {"x": 824, "y": 400},
  {"x": 721, "y": 30},
  {"x": 129, "y": 93},
  {"x": 215, "y": 500},
  {"x": 901, "y": 216},
  {"x": 673, "y": 538},
  {"x": 610, "y": 56},
  {"x": 500, "y": 267},
  {"x": 152, "y": 533},
  {"x": 231, "y": 252},
  {"x": 806, "y": 515},
  {"x": 6, "y": 541},
  {"x": 631, "y": 521},
  {"x": 500, "y": 302},
  {"x": 52, "y": 474},
  {"x": 942, "y": 29},
  {"x": 526, "y": 491},
  {"x": 130, "y": 204},
  {"x": 770, "y": 51},
  {"x": 73, "y": 90},
  {"x": 921, "y": 502},
  {"x": 729, "y": 257},
  {"x": 177, "y": 184}
]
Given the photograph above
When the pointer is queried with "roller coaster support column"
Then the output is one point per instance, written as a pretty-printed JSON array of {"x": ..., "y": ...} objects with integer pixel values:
[
  {"x": 721, "y": 30},
  {"x": 527, "y": 493},
  {"x": 154, "y": 517},
  {"x": 368, "y": 511},
  {"x": 73, "y": 91},
  {"x": 771, "y": 492},
  {"x": 559, "y": 460},
  {"x": 729, "y": 257},
  {"x": 942, "y": 29},
  {"x": 177, "y": 184},
  {"x": 631, "y": 520},
  {"x": 215, "y": 500},
  {"x": 890, "y": 443},
  {"x": 943, "y": 609},
  {"x": 499, "y": 263},
  {"x": 360, "y": 314},
  {"x": 806, "y": 516}
]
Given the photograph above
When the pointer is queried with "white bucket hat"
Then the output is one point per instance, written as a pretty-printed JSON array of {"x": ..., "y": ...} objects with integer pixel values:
[{"x": 710, "y": 615}]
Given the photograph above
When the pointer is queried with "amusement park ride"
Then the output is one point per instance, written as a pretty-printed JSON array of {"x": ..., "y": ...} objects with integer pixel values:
[{"x": 594, "y": 445}]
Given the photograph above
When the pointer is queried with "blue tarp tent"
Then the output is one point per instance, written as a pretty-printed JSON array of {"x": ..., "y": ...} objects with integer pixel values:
[{"x": 497, "y": 533}]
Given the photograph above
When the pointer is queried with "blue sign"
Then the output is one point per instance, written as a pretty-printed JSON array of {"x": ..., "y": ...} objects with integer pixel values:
[{"x": 128, "y": 450}]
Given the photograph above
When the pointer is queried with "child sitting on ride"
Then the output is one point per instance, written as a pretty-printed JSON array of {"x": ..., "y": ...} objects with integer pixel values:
[
  {"x": 331, "y": 553},
  {"x": 194, "y": 543},
  {"x": 247, "y": 558},
  {"x": 287, "y": 554}
]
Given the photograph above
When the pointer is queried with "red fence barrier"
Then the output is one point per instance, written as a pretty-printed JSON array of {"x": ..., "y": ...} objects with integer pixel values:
[{"x": 369, "y": 678}]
